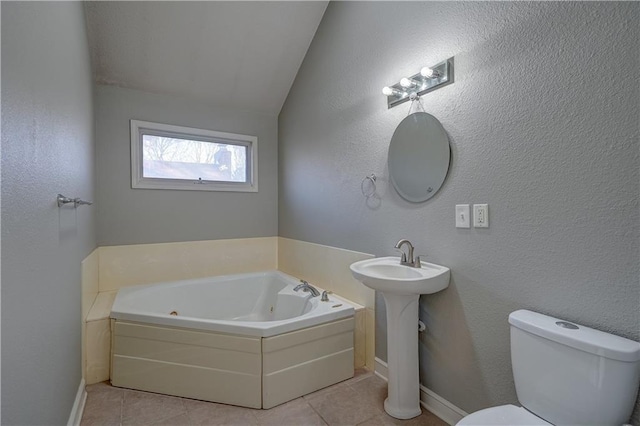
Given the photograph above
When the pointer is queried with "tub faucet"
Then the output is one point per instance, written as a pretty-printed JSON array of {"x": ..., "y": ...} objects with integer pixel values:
[
  {"x": 305, "y": 286},
  {"x": 407, "y": 259}
]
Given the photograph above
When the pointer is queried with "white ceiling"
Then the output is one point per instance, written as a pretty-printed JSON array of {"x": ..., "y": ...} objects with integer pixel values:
[{"x": 239, "y": 54}]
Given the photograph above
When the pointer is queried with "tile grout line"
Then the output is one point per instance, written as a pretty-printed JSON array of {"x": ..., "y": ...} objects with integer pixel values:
[
  {"x": 316, "y": 411},
  {"x": 184, "y": 409},
  {"x": 365, "y": 376},
  {"x": 255, "y": 417},
  {"x": 362, "y": 377},
  {"x": 121, "y": 406}
]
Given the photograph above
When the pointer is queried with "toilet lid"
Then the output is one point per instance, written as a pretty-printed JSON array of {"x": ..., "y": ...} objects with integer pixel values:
[{"x": 504, "y": 415}]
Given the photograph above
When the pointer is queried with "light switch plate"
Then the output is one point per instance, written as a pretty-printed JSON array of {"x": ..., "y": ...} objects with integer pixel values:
[
  {"x": 462, "y": 216},
  {"x": 481, "y": 215}
]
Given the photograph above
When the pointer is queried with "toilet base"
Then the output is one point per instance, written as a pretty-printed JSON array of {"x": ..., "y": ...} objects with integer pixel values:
[
  {"x": 503, "y": 415},
  {"x": 400, "y": 414}
]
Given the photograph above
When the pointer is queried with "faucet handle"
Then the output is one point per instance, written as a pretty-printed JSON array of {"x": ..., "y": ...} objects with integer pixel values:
[
  {"x": 419, "y": 259},
  {"x": 325, "y": 296}
]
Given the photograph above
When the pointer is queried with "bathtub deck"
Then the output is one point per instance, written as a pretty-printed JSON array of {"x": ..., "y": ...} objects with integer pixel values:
[{"x": 357, "y": 401}]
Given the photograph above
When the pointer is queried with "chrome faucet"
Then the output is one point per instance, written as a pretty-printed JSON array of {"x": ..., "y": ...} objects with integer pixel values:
[
  {"x": 407, "y": 259},
  {"x": 305, "y": 286}
]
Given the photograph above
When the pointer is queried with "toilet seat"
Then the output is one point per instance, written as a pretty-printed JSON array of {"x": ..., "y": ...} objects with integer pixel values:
[{"x": 503, "y": 415}]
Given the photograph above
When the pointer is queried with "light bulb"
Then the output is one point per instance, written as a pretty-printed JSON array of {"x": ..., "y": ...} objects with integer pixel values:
[
  {"x": 387, "y": 91},
  {"x": 405, "y": 82},
  {"x": 426, "y": 72}
]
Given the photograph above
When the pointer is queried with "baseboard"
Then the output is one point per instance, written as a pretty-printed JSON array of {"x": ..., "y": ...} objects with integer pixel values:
[
  {"x": 381, "y": 369},
  {"x": 428, "y": 399},
  {"x": 440, "y": 406},
  {"x": 78, "y": 406}
]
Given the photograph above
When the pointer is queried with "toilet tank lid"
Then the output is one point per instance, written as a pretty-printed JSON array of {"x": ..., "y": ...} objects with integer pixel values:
[{"x": 583, "y": 338}]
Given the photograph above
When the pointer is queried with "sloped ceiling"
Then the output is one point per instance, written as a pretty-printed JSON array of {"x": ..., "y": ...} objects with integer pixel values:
[{"x": 240, "y": 54}]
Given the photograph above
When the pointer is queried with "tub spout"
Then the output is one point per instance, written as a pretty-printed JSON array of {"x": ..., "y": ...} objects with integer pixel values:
[{"x": 305, "y": 286}]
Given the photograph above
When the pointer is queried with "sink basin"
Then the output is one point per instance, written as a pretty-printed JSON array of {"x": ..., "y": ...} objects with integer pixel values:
[{"x": 387, "y": 275}]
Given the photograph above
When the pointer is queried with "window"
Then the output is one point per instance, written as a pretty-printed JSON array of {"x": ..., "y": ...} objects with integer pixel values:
[{"x": 174, "y": 157}]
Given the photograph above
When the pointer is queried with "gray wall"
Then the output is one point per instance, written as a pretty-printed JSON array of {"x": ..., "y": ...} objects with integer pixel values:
[
  {"x": 138, "y": 216},
  {"x": 47, "y": 147},
  {"x": 543, "y": 122}
]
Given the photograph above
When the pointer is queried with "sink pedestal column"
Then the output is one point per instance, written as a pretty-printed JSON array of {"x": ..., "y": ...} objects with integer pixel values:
[{"x": 403, "y": 401}]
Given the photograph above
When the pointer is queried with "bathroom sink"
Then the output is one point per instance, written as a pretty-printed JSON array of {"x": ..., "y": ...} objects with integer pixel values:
[
  {"x": 401, "y": 287},
  {"x": 387, "y": 275}
]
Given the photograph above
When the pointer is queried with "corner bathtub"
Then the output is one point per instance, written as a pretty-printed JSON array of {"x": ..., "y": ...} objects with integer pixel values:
[
  {"x": 257, "y": 304},
  {"x": 247, "y": 339}
]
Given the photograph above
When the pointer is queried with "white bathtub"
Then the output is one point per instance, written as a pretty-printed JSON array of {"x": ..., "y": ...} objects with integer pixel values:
[
  {"x": 259, "y": 304},
  {"x": 247, "y": 340}
]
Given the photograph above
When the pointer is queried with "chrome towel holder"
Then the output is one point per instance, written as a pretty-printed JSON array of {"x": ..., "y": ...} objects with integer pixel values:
[
  {"x": 372, "y": 186},
  {"x": 62, "y": 200}
]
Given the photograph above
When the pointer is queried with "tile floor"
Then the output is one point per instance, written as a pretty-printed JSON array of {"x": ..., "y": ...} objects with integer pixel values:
[{"x": 357, "y": 401}]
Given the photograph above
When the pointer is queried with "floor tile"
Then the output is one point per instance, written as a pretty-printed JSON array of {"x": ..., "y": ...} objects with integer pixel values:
[
  {"x": 430, "y": 419},
  {"x": 425, "y": 419},
  {"x": 356, "y": 401},
  {"x": 103, "y": 405},
  {"x": 293, "y": 413},
  {"x": 343, "y": 407},
  {"x": 325, "y": 391},
  {"x": 374, "y": 421},
  {"x": 371, "y": 390},
  {"x": 360, "y": 374},
  {"x": 211, "y": 413},
  {"x": 146, "y": 408},
  {"x": 179, "y": 420}
]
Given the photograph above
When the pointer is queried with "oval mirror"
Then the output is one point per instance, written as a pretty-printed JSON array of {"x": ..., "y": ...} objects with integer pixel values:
[{"x": 419, "y": 157}]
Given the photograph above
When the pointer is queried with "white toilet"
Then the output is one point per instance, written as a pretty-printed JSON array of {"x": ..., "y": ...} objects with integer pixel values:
[{"x": 566, "y": 374}]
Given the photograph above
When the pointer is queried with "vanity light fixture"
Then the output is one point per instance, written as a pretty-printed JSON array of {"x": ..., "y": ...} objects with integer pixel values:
[
  {"x": 428, "y": 72},
  {"x": 390, "y": 91},
  {"x": 407, "y": 83},
  {"x": 427, "y": 80}
]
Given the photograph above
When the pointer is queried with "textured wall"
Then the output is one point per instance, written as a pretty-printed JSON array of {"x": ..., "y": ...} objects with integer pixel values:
[
  {"x": 543, "y": 122},
  {"x": 138, "y": 216},
  {"x": 47, "y": 147}
]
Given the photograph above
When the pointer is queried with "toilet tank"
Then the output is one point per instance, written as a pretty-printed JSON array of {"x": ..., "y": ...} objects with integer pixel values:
[{"x": 569, "y": 374}]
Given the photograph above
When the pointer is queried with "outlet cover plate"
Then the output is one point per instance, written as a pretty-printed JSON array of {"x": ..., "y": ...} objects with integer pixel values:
[{"x": 480, "y": 215}]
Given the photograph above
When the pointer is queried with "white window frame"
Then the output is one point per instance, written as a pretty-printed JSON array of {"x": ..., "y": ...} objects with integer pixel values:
[{"x": 138, "y": 181}]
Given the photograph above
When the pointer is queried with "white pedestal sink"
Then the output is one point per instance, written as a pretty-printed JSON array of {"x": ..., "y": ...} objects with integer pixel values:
[{"x": 401, "y": 287}]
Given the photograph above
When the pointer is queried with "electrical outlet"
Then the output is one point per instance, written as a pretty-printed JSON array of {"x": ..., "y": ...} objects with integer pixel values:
[
  {"x": 462, "y": 216},
  {"x": 481, "y": 215}
]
